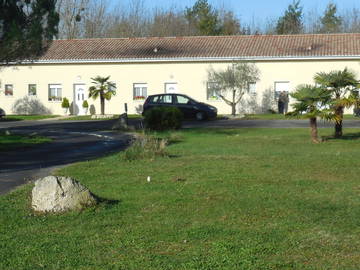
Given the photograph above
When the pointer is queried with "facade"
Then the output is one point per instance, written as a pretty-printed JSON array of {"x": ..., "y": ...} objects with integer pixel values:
[{"x": 145, "y": 66}]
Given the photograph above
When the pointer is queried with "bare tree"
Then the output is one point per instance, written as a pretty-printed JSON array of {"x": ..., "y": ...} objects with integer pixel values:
[
  {"x": 71, "y": 12},
  {"x": 96, "y": 19}
]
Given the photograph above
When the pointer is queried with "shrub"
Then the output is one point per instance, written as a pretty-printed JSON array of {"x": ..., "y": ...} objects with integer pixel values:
[
  {"x": 163, "y": 118},
  {"x": 85, "y": 104},
  {"x": 65, "y": 103},
  {"x": 146, "y": 147}
]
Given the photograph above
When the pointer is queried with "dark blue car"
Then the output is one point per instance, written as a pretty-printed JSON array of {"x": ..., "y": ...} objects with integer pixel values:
[{"x": 188, "y": 106}]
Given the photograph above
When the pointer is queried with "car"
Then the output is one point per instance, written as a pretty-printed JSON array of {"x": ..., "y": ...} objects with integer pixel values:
[
  {"x": 187, "y": 105},
  {"x": 2, "y": 113}
]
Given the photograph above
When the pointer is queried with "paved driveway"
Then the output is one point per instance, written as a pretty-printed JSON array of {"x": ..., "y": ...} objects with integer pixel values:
[{"x": 72, "y": 142}]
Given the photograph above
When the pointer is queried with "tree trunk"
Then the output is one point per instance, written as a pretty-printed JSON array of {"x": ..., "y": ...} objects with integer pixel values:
[
  {"x": 313, "y": 130},
  {"x": 339, "y": 112},
  {"x": 233, "y": 104},
  {"x": 233, "y": 109},
  {"x": 102, "y": 105}
]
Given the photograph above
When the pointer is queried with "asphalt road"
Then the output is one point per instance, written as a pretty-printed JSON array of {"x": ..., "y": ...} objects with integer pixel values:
[{"x": 72, "y": 142}]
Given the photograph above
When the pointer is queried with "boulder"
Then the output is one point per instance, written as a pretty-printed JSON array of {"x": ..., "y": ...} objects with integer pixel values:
[{"x": 59, "y": 194}]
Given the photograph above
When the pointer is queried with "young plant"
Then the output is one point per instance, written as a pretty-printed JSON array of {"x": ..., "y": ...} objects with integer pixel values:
[
  {"x": 65, "y": 103},
  {"x": 102, "y": 88},
  {"x": 234, "y": 82},
  {"x": 85, "y": 104},
  {"x": 342, "y": 86},
  {"x": 310, "y": 104}
]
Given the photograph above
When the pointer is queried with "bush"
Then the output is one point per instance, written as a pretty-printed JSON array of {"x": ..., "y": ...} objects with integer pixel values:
[
  {"x": 85, "y": 104},
  {"x": 146, "y": 147},
  {"x": 163, "y": 118},
  {"x": 65, "y": 103}
]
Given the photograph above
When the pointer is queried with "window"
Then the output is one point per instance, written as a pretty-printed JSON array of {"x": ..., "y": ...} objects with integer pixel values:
[
  {"x": 140, "y": 91},
  {"x": 252, "y": 88},
  {"x": 183, "y": 100},
  {"x": 32, "y": 89},
  {"x": 9, "y": 89},
  {"x": 213, "y": 91},
  {"x": 55, "y": 92},
  {"x": 166, "y": 99}
]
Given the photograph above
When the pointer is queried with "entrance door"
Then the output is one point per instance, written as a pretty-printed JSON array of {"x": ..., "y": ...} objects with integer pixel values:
[
  {"x": 79, "y": 97},
  {"x": 171, "y": 88}
]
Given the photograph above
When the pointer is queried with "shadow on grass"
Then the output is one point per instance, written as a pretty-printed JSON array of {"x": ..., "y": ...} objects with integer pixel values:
[
  {"x": 106, "y": 202},
  {"x": 349, "y": 137}
]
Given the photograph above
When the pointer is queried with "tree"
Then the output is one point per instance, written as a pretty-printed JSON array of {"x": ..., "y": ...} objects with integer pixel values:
[
  {"x": 342, "y": 86},
  {"x": 26, "y": 27},
  {"x": 234, "y": 80},
  {"x": 291, "y": 22},
  {"x": 310, "y": 102},
  {"x": 330, "y": 22},
  {"x": 204, "y": 18},
  {"x": 104, "y": 89}
]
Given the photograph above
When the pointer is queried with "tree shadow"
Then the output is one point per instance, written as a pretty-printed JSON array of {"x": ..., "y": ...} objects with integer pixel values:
[{"x": 347, "y": 137}]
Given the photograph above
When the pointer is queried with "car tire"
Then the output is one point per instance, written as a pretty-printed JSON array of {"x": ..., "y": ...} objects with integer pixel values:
[{"x": 200, "y": 116}]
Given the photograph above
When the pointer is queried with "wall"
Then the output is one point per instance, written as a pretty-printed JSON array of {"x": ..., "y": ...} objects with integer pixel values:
[{"x": 191, "y": 79}]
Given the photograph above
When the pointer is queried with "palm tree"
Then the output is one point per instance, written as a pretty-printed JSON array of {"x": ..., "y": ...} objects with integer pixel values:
[
  {"x": 104, "y": 89},
  {"x": 310, "y": 103},
  {"x": 342, "y": 85}
]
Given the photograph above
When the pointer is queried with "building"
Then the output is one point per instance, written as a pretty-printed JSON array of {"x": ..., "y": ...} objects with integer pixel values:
[{"x": 145, "y": 66}]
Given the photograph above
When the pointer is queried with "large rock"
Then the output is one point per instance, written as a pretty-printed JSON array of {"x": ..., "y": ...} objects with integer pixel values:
[{"x": 59, "y": 194}]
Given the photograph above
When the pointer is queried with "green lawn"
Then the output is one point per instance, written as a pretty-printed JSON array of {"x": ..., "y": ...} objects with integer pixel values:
[
  {"x": 11, "y": 142},
  {"x": 26, "y": 117},
  {"x": 249, "y": 199},
  {"x": 283, "y": 117}
]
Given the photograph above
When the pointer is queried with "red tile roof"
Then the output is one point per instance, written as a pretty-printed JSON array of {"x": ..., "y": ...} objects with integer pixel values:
[{"x": 255, "y": 46}]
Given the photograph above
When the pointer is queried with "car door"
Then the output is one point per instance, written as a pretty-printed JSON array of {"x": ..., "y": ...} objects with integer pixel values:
[{"x": 185, "y": 105}]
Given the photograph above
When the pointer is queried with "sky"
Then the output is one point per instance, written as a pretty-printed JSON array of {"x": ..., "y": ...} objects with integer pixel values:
[{"x": 250, "y": 10}]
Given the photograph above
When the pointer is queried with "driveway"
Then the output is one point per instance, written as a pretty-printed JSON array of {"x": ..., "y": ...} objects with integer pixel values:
[{"x": 72, "y": 142}]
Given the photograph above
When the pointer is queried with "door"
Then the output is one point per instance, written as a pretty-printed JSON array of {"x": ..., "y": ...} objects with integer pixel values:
[
  {"x": 282, "y": 96},
  {"x": 171, "y": 88},
  {"x": 80, "y": 94}
]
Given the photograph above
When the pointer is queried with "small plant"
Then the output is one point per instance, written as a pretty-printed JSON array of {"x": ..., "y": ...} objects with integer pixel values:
[
  {"x": 163, "y": 118},
  {"x": 146, "y": 147},
  {"x": 85, "y": 104},
  {"x": 65, "y": 103}
]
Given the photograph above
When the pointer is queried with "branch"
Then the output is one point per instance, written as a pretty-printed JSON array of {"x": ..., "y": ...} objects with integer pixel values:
[{"x": 228, "y": 102}]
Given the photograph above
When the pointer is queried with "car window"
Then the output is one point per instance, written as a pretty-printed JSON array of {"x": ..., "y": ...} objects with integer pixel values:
[
  {"x": 182, "y": 100},
  {"x": 155, "y": 99},
  {"x": 166, "y": 99}
]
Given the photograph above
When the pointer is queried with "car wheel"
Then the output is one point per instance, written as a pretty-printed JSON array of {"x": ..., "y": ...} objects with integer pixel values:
[{"x": 200, "y": 116}]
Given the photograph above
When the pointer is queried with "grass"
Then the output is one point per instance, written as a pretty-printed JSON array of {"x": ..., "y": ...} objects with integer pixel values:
[
  {"x": 283, "y": 117},
  {"x": 26, "y": 117},
  {"x": 224, "y": 199},
  {"x": 12, "y": 142}
]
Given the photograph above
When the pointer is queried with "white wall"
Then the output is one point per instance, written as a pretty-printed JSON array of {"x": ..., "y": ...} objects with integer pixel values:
[{"x": 191, "y": 79}]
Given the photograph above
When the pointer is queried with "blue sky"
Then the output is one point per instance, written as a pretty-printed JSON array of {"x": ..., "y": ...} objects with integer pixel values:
[{"x": 248, "y": 10}]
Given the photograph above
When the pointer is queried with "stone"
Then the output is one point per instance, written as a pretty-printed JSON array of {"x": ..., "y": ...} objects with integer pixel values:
[
  {"x": 121, "y": 123},
  {"x": 59, "y": 194}
]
